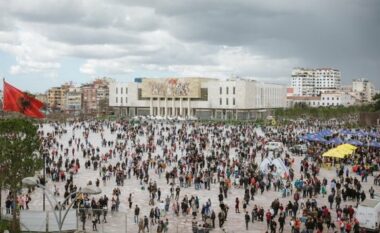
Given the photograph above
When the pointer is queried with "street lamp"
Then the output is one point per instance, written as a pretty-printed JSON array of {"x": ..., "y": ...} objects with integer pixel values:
[{"x": 89, "y": 189}]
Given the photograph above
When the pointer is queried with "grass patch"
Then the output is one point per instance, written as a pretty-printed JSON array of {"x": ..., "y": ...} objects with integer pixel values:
[{"x": 4, "y": 225}]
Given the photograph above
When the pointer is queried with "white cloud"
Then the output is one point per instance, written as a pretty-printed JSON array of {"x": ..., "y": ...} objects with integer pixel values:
[
  {"x": 111, "y": 66},
  {"x": 262, "y": 39},
  {"x": 33, "y": 52}
]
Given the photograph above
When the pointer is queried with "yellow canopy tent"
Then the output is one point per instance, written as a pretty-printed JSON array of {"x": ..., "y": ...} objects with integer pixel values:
[
  {"x": 340, "y": 151},
  {"x": 344, "y": 150},
  {"x": 347, "y": 146},
  {"x": 334, "y": 154}
]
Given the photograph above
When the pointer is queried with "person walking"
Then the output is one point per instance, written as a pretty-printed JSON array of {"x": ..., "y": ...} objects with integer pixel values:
[
  {"x": 213, "y": 216},
  {"x": 268, "y": 217},
  {"x": 237, "y": 202},
  {"x": 130, "y": 201},
  {"x": 137, "y": 212},
  {"x": 247, "y": 219},
  {"x": 281, "y": 221},
  {"x": 146, "y": 223}
]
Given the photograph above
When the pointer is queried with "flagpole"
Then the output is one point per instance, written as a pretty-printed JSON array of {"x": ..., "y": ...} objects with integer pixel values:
[
  {"x": 1, "y": 184},
  {"x": 2, "y": 107}
]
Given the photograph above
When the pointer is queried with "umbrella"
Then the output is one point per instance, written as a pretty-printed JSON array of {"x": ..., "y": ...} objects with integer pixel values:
[
  {"x": 335, "y": 141},
  {"x": 374, "y": 144},
  {"x": 303, "y": 138},
  {"x": 355, "y": 142},
  {"x": 360, "y": 133},
  {"x": 318, "y": 139},
  {"x": 345, "y": 132},
  {"x": 325, "y": 133}
]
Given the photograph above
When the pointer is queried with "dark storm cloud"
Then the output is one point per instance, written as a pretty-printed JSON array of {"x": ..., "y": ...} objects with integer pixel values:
[{"x": 343, "y": 34}]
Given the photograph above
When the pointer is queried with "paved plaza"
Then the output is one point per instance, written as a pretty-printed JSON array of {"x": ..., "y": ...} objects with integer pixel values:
[{"x": 123, "y": 220}]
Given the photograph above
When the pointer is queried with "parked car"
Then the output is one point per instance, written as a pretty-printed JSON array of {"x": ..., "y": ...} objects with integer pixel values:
[
  {"x": 299, "y": 149},
  {"x": 274, "y": 146}
]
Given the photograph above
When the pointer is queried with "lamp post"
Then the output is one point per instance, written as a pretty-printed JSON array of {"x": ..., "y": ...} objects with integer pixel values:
[
  {"x": 32, "y": 181},
  {"x": 45, "y": 154}
]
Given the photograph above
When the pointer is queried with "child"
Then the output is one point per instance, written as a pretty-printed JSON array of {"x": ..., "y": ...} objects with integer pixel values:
[{"x": 94, "y": 221}]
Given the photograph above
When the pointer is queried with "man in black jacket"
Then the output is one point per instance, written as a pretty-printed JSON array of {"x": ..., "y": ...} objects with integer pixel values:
[{"x": 247, "y": 219}]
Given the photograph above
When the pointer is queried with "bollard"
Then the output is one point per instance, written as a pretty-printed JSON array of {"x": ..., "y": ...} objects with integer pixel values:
[
  {"x": 126, "y": 222},
  {"x": 47, "y": 221}
]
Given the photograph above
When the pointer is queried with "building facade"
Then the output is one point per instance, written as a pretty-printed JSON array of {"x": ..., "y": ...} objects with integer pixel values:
[
  {"x": 365, "y": 88},
  {"x": 56, "y": 96},
  {"x": 73, "y": 100},
  {"x": 95, "y": 96},
  {"x": 310, "y": 82},
  {"x": 205, "y": 98},
  {"x": 325, "y": 99}
]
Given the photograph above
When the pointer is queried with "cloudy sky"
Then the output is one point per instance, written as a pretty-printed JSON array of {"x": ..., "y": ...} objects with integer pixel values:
[{"x": 45, "y": 43}]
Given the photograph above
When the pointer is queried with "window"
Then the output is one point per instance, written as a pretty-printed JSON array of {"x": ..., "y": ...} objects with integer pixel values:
[
  {"x": 226, "y": 101},
  {"x": 116, "y": 90},
  {"x": 116, "y": 100},
  {"x": 233, "y": 90},
  {"x": 220, "y": 90},
  {"x": 337, "y": 98},
  {"x": 204, "y": 94},
  {"x": 126, "y": 99},
  {"x": 233, "y": 100},
  {"x": 332, "y": 98},
  {"x": 220, "y": 101},
  {"x": 227, "y": 90},
  {"x": 126, "y": 90},
  {"x": 121, "y": 99},
  {"x": 121, "y": 90}
]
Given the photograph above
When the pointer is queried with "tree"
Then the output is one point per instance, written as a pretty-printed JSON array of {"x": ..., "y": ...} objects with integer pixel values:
[
  {"x": 376, "y": 104},
  {"x": 19, "y": 157}
]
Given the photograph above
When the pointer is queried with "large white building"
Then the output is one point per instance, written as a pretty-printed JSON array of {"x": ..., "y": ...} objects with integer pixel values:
[
  {"x": 311, "y": 82},
  {"x": 205, "y": 98},
  {"x": 365, "y": 88},
  {"x": 325, "y": 99}
]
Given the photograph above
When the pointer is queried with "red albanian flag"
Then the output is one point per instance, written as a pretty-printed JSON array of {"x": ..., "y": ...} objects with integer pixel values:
[{"x": 18, "y": 101}]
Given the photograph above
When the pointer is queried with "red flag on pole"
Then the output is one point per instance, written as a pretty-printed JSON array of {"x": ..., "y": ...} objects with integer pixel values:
[{"x": 16, "y": 100}]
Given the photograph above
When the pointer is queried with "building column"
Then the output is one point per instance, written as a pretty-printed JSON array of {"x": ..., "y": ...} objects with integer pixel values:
[
  {"x": 158, "y": 107},
  {"x": 188, "y": 107},
  {"x": 166, "y": 106},
  {"x": 180, "y": 107},
  {"x": 173, "y": 108},
  {"x": 151, "y": 106}
]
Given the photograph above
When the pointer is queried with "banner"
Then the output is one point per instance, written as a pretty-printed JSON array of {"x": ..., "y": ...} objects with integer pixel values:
[{"x": 171, "y": 87}]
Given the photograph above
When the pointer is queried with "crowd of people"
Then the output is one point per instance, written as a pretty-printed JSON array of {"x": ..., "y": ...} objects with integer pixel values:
[{"x": 198, "y": 171}]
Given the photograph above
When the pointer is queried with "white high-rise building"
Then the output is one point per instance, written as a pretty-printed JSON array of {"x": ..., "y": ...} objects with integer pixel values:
[
  {"x": 365, "y": 88},
  {"x": 310, "y": 82}
]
